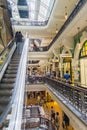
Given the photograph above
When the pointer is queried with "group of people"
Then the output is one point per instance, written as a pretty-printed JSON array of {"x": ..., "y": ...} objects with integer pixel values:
[
  {"x": 19, "y": 41},
  {"x": 55, "y": 118},
  {"x": 66, "y": 76}
]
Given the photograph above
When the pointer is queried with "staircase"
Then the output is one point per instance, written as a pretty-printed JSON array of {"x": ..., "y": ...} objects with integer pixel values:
[{"x": 7, "y": 82}]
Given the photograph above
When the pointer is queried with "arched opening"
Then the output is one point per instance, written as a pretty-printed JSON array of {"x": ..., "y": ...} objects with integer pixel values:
[{"x": 83, "y": 64}]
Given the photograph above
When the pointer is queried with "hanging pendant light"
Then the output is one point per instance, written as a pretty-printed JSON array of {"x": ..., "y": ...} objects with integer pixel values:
[
  {"x": 66, "y": 15},
  {"x": 56, "y": 29}
]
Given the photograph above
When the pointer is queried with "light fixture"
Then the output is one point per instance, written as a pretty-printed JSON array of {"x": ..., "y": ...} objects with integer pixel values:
[
  {"x": 79, "y": 43},
  {"x": 51, "y": 37},
  {"x": 56, "y": 29},
  {"x": 66, "y": 15}
]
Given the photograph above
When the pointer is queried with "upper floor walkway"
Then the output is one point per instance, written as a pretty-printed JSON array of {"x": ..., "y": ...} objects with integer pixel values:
[{"x": 72, "y": 99}]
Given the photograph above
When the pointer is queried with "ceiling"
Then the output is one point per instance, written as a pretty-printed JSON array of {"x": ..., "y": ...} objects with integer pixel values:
[
  {"x": 57, "y": 18},
  {"x": 33, "y": 11}
]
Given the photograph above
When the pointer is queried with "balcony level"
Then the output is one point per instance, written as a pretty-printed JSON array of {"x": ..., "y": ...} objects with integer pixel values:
[{"x": 72, "y": 99}]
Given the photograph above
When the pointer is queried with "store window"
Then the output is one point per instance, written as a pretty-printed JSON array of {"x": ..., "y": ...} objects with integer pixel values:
[
  {"x": 83, "y": 64},
  {"x": 84, "y": 50}
]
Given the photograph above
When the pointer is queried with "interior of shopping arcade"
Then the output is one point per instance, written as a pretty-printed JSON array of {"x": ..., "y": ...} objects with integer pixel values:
[
  {"x": 46, "y": 102},
  {"x": 43, "y": 64}
]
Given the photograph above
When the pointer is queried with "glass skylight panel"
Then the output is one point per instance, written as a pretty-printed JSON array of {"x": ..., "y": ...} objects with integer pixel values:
[
  {"x": 31, "y": 16},
  {"x": 38, "y": 10},
  {"x": 40, "y": 18},
  {"x": 14, "y": 8},
  {"x": 43, "y": 11},
  {"x": 32, "y": 5},
  {"x": 44, "y": 8},
  {"x": 45, "y": 2}
]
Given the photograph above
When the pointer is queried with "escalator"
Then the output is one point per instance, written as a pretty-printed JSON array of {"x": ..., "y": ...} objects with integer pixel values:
[
  {"x": 34, "y": 118},
  {"x": 8, "y": 82}
]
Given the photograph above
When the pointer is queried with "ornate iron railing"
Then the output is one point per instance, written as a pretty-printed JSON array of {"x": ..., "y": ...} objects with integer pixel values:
[
  {"x": 34, "y": 79},
  {"x": 74, "y": 95}
]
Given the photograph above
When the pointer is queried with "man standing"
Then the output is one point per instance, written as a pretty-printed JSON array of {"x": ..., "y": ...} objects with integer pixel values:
[
  {"x": 67, "y": 77},
  {"x": 19, "y": 42}
]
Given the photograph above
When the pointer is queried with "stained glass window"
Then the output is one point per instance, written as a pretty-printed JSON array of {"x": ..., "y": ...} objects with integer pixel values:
[{"x": 84, "y": 50}]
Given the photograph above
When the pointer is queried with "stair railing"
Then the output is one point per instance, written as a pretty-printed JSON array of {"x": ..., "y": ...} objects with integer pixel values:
[
  {"x": 18, "y": 95},
  {"x": 5, "y": 56}
]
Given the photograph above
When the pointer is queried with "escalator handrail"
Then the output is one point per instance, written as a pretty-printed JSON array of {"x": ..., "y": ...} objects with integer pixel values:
[
  {"x": 72, "y": 95},
  {"x": 4, "y": 114},
  {"x": 7, "y": 46},
  {"x": 16, "y": 99},
  {"x": 4, "y": 64}
]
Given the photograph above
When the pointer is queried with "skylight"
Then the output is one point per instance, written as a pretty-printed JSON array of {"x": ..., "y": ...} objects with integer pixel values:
[
  {"x": 13, "y": 4},
  {"x": 35, "y": 10}
]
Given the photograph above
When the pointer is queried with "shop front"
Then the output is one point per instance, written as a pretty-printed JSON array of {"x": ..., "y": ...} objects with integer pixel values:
[{"x": 83, "y": 64}]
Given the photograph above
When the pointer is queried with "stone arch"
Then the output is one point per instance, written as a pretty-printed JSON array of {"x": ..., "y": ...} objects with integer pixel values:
[
  {"x": 66, "y": 50},
  {"x": 77, "y": 50}
]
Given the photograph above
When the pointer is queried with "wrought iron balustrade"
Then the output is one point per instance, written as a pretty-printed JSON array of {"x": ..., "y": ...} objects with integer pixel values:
[
  {"x": 35, "y": 79},
  {"x": 74, "y": 95},
  {"x": 38, "y": 49}
]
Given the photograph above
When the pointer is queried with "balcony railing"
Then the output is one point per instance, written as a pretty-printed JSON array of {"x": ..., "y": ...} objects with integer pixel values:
[
  {"x": 35, "y": 79},
  {"x": 38, "y": 49},
  {"x": 29, "y": 23},
  {"x": 73, "y": 95}
]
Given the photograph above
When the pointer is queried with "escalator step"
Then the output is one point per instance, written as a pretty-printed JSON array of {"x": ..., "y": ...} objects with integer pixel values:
[
  {"x": 11, "y": 71},
  {"x": 5, "y": 93},
  {"x": 6, "y": 86},
  {"x": 4, "y": 100},
  {"x": 8, "y": 80},
  {"x": 10, "y": 76}
]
